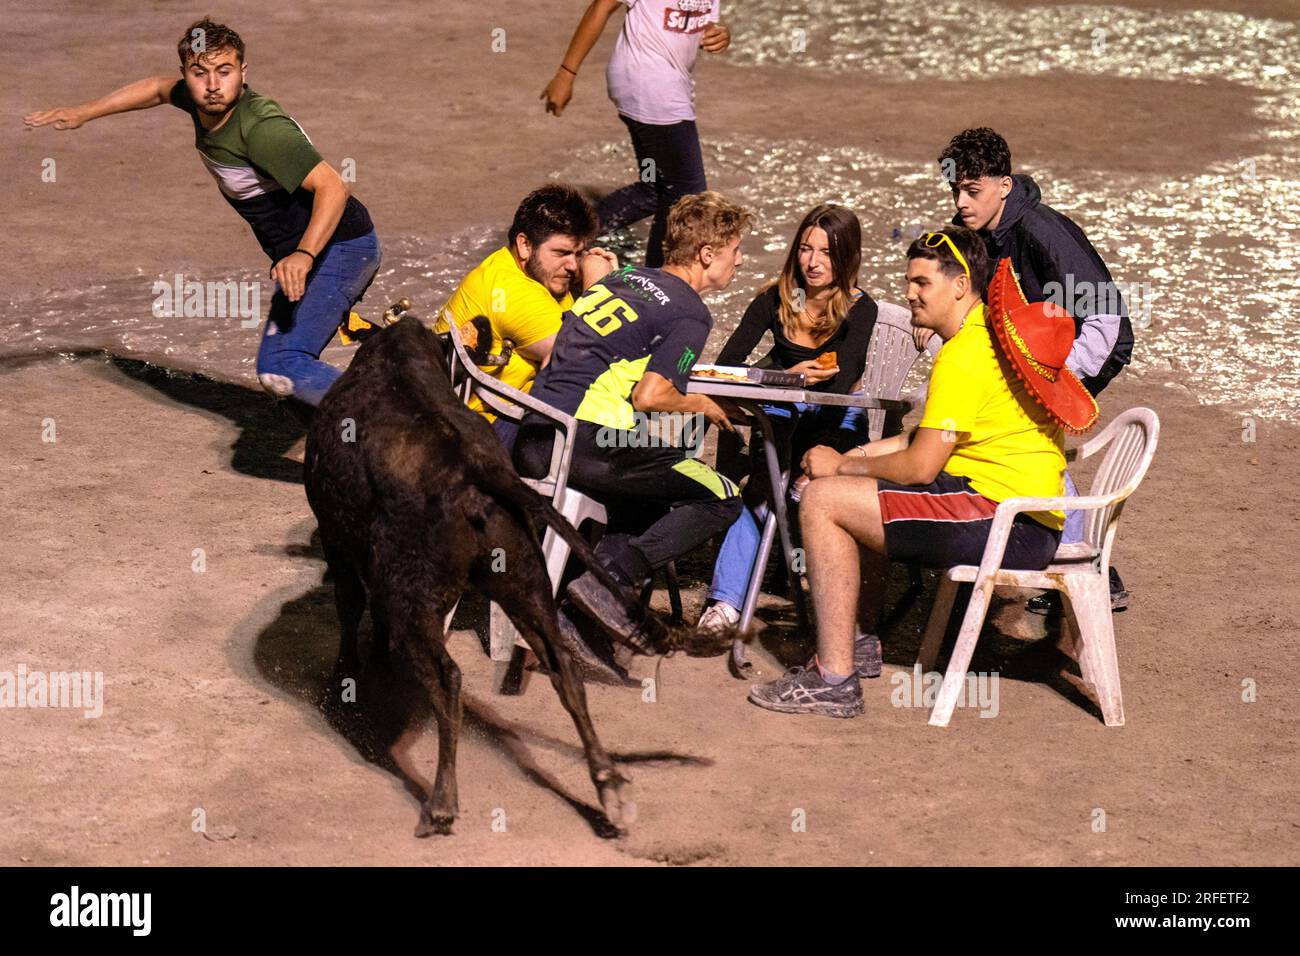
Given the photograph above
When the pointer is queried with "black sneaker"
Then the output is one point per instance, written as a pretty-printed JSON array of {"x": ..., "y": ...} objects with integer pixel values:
[
  {"x": 801, "y": 690},
  {"x": 354, "y": 328},
  {"x": 1118, "y": 593},
  {"x": 1049, "y": 602},
  {"x": 589, "y": 593},
  {"x": 867, "y": 657},
  {"x": 595, "y": 662}
]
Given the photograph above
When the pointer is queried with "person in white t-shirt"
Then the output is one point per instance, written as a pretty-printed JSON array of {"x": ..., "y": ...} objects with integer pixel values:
[{"x": 650, "y": 81}]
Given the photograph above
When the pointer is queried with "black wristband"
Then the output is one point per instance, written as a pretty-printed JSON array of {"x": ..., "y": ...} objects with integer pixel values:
[
  {"x": 306, "y": 253},
  {"x": 567, "y": 70}
]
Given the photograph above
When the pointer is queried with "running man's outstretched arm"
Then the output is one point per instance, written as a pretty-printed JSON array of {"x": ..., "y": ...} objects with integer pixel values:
[
  {"x": 140, "y": 95},
  {"x": 560, "y": 90}
]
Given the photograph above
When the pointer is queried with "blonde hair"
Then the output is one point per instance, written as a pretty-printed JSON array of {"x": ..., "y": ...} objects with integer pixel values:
[{"x": 699, "y": 220}]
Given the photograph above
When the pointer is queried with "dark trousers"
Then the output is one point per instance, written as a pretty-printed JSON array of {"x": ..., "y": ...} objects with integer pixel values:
[
  {"x": 506, "y": 431},
  {"x": 671, "y": 503},
  {"x": 675, "y": 168}
]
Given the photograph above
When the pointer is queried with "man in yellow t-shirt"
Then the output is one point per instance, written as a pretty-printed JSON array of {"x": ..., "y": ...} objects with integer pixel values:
[
  {"x": 1004, "y": 444},
  {"x": 929, "y": 497},
  {"x": 524, "y": 288}
]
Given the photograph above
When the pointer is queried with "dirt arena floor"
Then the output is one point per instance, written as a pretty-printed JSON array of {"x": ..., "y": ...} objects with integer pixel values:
[{"x": 211, "y": 676}]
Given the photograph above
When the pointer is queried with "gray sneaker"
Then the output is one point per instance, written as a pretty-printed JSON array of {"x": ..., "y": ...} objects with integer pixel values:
[
  {"x": 867, "y": 655},
  {"x": 801, "y": 690}
]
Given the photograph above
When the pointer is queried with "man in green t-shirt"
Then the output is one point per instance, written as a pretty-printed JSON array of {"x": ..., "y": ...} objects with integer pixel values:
[{"x": 319, "y": 238}]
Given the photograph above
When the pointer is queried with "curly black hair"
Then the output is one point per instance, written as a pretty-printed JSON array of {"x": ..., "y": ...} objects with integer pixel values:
[
  {"x": 554, "y": 209},
  {"x": 205, "y": 37},
  {"x": 974, "y": 153}
]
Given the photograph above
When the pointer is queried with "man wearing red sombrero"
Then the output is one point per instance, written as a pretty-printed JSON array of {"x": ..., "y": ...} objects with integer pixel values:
[{"x": 1000, "y": 401}]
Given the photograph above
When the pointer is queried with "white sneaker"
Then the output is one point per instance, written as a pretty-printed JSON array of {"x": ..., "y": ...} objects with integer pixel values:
[{"x": 716, "y": 619}]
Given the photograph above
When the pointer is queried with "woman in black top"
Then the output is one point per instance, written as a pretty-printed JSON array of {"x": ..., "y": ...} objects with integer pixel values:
[
  {"x": 814, "y": 308},
  {"x": 849, "y": 341}
]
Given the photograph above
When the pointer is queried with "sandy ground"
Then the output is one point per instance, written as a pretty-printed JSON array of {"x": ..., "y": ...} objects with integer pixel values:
[
  {"x": 210, "y": 679},
  {"x": 210, "y": 676}
]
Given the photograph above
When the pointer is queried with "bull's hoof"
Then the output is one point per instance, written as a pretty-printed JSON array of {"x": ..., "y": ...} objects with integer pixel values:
[
  {"x": 616, "y": 801},
  {"x": 434, "y": 824}
]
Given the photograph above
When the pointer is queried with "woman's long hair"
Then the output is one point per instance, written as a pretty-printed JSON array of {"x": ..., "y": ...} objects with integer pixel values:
[{"x": 844, "y": 236}]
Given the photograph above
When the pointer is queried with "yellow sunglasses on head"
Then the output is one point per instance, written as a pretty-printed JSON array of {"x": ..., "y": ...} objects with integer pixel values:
[{"x": 932, "y": 240}]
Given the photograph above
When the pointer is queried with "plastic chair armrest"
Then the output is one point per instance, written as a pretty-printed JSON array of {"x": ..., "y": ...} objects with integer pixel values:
[{"x": 1006, "y": 513}]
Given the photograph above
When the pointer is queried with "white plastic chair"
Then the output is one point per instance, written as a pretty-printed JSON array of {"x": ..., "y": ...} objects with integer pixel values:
[
  {"x": 891, "y": 353},
  {"x": 504, "y": 641},
  {"x": 1081, "y": 571}
]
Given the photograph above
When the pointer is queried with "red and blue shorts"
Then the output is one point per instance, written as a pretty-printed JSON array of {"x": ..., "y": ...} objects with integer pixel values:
[{"x": 947, "y": 522}]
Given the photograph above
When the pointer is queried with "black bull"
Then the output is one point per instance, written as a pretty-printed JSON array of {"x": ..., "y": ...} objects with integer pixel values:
[{"x": 417, "y": 501}]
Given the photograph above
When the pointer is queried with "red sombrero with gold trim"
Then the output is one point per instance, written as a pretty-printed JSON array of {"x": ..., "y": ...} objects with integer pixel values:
[{"x": 1036, "y": 338}]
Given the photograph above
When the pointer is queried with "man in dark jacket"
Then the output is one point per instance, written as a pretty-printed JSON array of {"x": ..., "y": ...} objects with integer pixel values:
[
  {"x": 1051, "y": 255},
  {"x": 1053, "y": 260}
]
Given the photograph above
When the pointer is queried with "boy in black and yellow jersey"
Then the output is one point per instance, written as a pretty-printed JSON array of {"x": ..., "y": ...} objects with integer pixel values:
[{"x": 623, "y": 355}]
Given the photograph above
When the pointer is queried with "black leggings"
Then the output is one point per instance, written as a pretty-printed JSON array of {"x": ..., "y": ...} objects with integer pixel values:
[{"x": 683, "y": 501}]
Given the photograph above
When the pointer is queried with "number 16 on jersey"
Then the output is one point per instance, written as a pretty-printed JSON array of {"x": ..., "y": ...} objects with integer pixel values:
[{"x": 600, "y": 309}]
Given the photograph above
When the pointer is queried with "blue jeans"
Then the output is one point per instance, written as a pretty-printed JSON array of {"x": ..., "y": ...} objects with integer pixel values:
[
  {"x": 288, "y": 361},
  {"x": 1073, "y": 532},
  {"x": 677, "y": 170},
  {"x": 796, "y": 429}
]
